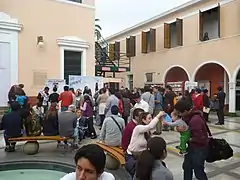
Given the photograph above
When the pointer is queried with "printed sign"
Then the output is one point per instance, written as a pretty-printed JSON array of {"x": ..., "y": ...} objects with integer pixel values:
[
  {"x": 58, "y": 83},
  {"x": 80, "y": 82}
]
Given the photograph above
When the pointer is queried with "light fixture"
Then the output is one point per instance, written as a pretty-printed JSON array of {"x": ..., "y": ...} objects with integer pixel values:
[{"x": 40, "y": 42}]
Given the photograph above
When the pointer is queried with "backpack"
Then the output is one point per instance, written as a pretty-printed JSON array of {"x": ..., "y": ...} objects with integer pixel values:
[{"x": 34, "y": 125}]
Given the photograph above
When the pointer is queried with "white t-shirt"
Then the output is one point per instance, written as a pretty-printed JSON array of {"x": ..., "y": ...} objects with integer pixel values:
[
  {"x": 142, "y": 105},
  {"x": 104, "y": 176}
]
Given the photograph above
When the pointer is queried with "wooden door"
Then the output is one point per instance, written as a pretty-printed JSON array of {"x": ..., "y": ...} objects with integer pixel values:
[
  {"x": 167, "y": 36},
  {"x": 144, "y": 42},
  {"x": 152, "y": 40}
]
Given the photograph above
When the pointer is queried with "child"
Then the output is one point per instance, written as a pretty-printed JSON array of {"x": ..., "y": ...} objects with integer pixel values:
[
  {"x": 82, "y": 126},
  {"x": 184, "y": 136}
]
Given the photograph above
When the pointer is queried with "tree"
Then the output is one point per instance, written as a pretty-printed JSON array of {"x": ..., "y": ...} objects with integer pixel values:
[{"x": 97, "y": 30}]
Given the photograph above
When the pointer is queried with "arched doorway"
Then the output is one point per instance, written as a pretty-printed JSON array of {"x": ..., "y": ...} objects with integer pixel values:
[
  {"x": 176, "y": 78},
  {"x": 238, "y": 91},
  {"x": 210, "y": 76}
]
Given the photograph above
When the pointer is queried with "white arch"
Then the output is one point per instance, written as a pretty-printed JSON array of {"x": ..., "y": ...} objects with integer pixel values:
[
  {"x": 210, "y": 62},
  {"x": 173, "y": 66},
  {"x": 235, "y": 73}
]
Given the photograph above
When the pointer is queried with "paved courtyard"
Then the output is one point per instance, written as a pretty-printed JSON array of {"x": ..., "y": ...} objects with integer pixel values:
[{"x": 222, "y": 170}]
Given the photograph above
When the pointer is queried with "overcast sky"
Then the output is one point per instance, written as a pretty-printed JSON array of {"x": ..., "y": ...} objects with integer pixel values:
[{"x": 116, "y": 15}]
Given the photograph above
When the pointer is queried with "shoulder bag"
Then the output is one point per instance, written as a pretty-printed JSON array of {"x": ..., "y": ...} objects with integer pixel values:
[{"x": 119, "y": 127}]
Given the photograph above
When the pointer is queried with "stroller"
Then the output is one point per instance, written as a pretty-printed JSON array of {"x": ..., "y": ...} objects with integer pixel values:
[{"x": 82, "y": 128}]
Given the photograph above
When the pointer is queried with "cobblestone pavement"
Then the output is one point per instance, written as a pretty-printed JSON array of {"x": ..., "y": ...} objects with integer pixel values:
[{"x": 222, "y": 170}]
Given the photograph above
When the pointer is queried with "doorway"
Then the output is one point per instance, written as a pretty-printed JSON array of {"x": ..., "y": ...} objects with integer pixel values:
[{"x": 72, "y": 64}]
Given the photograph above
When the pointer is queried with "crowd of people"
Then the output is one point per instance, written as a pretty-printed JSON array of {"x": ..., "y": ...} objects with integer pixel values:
[{"x": 130, "y": 119}]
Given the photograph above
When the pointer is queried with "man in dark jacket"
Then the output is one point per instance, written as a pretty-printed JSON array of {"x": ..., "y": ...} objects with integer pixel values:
[
  {"x": 220, "y": 112},
  {"x": 197, "y": 150},
  {"x": 12, "y": 126}
]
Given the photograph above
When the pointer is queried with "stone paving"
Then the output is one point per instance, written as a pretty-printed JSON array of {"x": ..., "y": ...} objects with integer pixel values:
[{"x": 222, "y": 170}]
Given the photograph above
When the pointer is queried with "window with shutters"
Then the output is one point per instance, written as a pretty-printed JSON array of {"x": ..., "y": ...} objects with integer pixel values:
[
  {"x": 148, "y": 37},
  {"x": 111, "y": 51},
  {"x": 173, "y": 34},
  {"x": 144, "y": 42},
  {"x": 131, "y": 46},
  {"x": 116, "y": 50},
  {"x": 149, "y": 41},
  {"x": 209, "y": 24}
]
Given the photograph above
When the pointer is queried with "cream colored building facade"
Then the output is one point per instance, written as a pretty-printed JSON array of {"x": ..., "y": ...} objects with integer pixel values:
[
  {"x": 34, "y": 35},
  {"x": 217, "y": 57}
]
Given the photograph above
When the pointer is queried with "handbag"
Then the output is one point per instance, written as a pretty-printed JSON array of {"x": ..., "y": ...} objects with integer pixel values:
[{"x": 219, "y": 149}]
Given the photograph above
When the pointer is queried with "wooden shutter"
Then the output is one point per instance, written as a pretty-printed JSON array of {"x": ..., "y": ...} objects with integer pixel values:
[
  {"x": 200, "y": 26},
  {"x": 179, "y": 24},
  {"x": 144, "y": 42},
  {"x": 132, "y": 46},
  {"x": 219, "y": 20},
  {"x": 167, "y": 36},
  {"x": 111, "y": 51},
  {"x": 152, "y": 40},
  {"x": 128, "y": 47},
  {"x": 117, "y": 50}
]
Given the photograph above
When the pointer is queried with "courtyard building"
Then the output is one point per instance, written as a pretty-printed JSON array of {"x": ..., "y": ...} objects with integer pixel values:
[
  {"x": 44, "y": 39},
  {"x": 195, "y": 44}
]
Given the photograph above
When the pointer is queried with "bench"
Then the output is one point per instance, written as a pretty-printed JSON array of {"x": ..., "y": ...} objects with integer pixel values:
[
  {"x": 115, "y": 153},
  {"x": 32, "y": 146}
]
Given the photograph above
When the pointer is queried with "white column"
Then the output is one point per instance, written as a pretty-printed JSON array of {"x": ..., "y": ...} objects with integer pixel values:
[
  {"x": 84, "y": 63},
  {"x": 226, "y": 87},
  {"x": 232, "y": 97}
]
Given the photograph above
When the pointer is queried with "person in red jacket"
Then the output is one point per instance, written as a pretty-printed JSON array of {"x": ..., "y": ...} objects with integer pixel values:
[
  {"x": 198, "y": 101},
  {"x": 198, "y": 145}
]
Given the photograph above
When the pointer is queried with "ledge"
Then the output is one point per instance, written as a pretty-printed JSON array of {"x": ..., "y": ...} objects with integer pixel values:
[
  {"x": 76, "y": 4},
  {"x": 8, "y": 23},
  {"x": 72, "y": 41}
]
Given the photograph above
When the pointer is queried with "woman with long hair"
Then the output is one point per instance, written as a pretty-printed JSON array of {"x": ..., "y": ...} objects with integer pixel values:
[
  {"x": 50, "y": 122},
  {"x": 78, "y": 97},
  {"x": 150, "y": 165},
  {"x": 101, "y": 102},
  {"x": 87, "y": 109},
  {"x": 141, "y": 134}
]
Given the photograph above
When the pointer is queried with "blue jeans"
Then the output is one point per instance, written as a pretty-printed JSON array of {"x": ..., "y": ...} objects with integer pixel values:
[
  {"x": 75, "y": 136},
  {"x": 130, "y": 164},
  {"x": 194, "y": 160}
]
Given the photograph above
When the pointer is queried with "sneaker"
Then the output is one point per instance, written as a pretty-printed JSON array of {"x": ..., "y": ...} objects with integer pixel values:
[
  {"x": 156, "y": 133},
  {"x": 182, "y": 152},
  {"x": 178, "y": 147}
]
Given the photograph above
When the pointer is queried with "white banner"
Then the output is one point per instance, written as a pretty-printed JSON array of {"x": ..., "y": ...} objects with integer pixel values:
[
  {"x": 58, "y": 83},
  {"x": 80, "y": 82}
]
